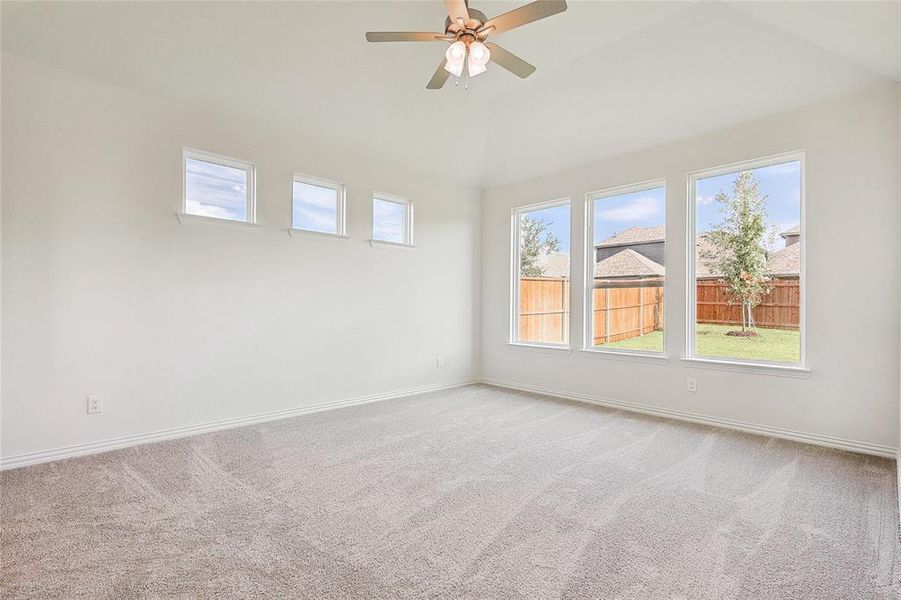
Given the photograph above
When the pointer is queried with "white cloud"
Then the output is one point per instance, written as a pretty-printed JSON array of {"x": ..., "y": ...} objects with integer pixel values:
[
  {"x": 193, "y": 207},
  {"x": 705, "y": 200},
  {"x": 638, "y": 208},
  {"x": 315, "y": 217},
  {"x": 388, "y": 221}
]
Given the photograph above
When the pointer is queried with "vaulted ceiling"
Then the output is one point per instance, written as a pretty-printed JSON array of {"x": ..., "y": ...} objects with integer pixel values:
[{"x": 612, "y": 76}]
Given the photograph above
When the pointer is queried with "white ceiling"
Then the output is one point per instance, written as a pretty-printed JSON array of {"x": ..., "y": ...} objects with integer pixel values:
[{"x": 612, "y": 76}]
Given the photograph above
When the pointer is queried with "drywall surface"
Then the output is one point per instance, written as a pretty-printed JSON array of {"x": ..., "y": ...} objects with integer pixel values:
[
  {"x": 898, "y": 192},
  {"x": 852, "y": 216},
  {"x": 105, "y": 292}
]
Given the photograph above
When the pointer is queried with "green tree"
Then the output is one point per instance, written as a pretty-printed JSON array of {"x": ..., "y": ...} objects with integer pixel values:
[
  {"x": 535, "y": 240},
  {"x": 738, "y": 241}
]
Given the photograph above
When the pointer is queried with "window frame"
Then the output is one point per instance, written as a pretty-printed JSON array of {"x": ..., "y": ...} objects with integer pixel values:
[
  {"x": 588, "y": 282},
  {"x": 224, "y": 161},
  {"x": 799, "y": 368},
  {"x": 408, "y": 221},
  {"x": 341, "y": 207},
  {"x": 515, "y": 214}
]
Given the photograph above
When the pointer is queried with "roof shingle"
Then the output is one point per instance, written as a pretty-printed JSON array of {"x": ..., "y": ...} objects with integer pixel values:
[
  {"x": 634, "y": 235},
  {"x": 786, "y": 261},
  {"x": 553, "y": 264},
  {"x": 627, "y": 263}
]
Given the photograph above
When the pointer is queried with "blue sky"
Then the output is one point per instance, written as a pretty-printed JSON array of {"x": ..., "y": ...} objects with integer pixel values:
[
  {"x": 646, "y": 208},
  {"x": 387, "y": 220},
  {"x": 781, "y": 184},
  {"x": 213, "y": 190},
  {"x": 315, "y": 208},
  {"x": 557, "y": 218}
]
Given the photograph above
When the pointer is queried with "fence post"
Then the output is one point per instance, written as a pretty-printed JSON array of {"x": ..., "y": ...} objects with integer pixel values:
[
  {"x": 606, "y": 315},
  {"x": 562, "y": 310},
  {"x": 640, "y": 311}
]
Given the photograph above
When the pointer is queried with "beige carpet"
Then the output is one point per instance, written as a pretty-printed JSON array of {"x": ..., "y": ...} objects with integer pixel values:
[{"x": 473, "y": 492}]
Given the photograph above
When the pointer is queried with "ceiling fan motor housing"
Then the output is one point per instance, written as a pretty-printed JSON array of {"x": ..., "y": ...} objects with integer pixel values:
[{"x": 468, "y": 32}]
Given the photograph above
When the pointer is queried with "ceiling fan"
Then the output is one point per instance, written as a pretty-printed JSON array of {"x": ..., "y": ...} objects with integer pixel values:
[{"x": 466, "y": 29}]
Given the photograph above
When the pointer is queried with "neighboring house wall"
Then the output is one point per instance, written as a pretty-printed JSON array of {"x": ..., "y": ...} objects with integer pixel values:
[
  {"x": 853, "y": 390},
  {"x": 656, "y": 251}
]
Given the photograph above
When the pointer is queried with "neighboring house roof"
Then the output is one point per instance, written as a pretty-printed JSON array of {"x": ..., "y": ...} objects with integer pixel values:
[
  {"x": 783, "y": 262},
  {"x": 634, "y": 235},
  {"x": 628, "y": 263},
  {"x": 786, "y": 261},
  {"x": 704, "y": 267},
  {"x": 553, "y": 264},
  {"x": 796, "y": 230}
]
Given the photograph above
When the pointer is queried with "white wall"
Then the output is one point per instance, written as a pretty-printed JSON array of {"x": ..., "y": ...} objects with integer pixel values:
[
  {"x": 106, "y": 293},
  {"x": 852, "y": 219},
  {"x": 898, "y": 190}
]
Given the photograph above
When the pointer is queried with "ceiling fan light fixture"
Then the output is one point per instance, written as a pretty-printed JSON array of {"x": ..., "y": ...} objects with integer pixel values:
[
  {"x": 455, "y": 69},
  {"x": 456, "y": 52},
  {"x": 467, "y": 29},
  {"x": 475, "y": 68},
  {"x": 455, "y": 57},
  {"x": 479, "y": 53}
]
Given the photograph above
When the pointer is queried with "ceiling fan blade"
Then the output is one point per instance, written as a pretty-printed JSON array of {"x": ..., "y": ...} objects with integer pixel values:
[
  {"x": 524, "y": 15},
  {"x": 456, "y": 9},
  {"x": 510, "y": 61},
  {"x": 404, "y": 36},
  {"x": 439, "y": 78}
]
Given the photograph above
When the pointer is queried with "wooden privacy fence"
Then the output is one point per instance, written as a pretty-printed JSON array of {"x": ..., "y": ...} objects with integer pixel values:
[
  {"x": 624, "y": 312},
  {"x": 780, "y": 309},
  {"x": 621, "y": 313},
  {"x": 543, "y": 309}
]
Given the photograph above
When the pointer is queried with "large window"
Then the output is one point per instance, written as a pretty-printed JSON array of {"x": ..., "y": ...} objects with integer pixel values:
[
  {"x": 317, "y": 205},
  {"x": 627, "y": 268},
  {"x": 392, "y": 219},
  {"x": 746, "y": 232},
  {"x": 218, "y": 187},
  {"x": 541, "y": 274}
]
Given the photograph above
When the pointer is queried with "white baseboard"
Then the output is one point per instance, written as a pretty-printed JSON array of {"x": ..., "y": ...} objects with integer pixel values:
[
  {"x": 42, "y": 456},
  {"x": 797, "y": 436}
]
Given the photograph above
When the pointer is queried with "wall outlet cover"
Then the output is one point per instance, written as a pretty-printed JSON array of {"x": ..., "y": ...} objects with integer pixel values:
[{"x": 95, "y": 404}]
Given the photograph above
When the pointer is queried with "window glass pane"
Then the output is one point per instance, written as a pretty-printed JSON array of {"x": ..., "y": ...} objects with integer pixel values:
[
  {"x": 389, "y": 221},
  {"x": 315, "y": 208},
  {"x": 543, "y": 303},
  {"x": 629, "y": 258},
  {"x": 213, "y": 190},
  {"x": 748, "y": 264}
]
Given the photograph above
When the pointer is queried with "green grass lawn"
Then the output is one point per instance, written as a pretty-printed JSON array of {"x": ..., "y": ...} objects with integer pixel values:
[{"x": 771, "y": 344}]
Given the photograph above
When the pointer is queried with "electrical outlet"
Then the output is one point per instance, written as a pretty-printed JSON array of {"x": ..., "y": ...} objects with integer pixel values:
[
  {"x": 95, "y": 404},
  {"x": 692, "y": 385},
  {"x": 439, "y": 363}
]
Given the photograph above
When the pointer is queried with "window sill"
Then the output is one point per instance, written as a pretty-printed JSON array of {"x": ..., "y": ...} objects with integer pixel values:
[
  {"x": 749, "y": 367},
  {"x": 317, "y": 236},
  {"x": 639, "y": 357},
  {"x": 186, "y": 219},
  {"x": 391, "y": 245},
  {"x": 552, "y": 348}
]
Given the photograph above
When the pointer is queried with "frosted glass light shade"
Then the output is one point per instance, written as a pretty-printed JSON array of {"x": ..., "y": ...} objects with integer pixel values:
[
  {"x": 475, "y": 68},
  {"x": 479, "y": 53},
  {"x": 455, "y": 69}
]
